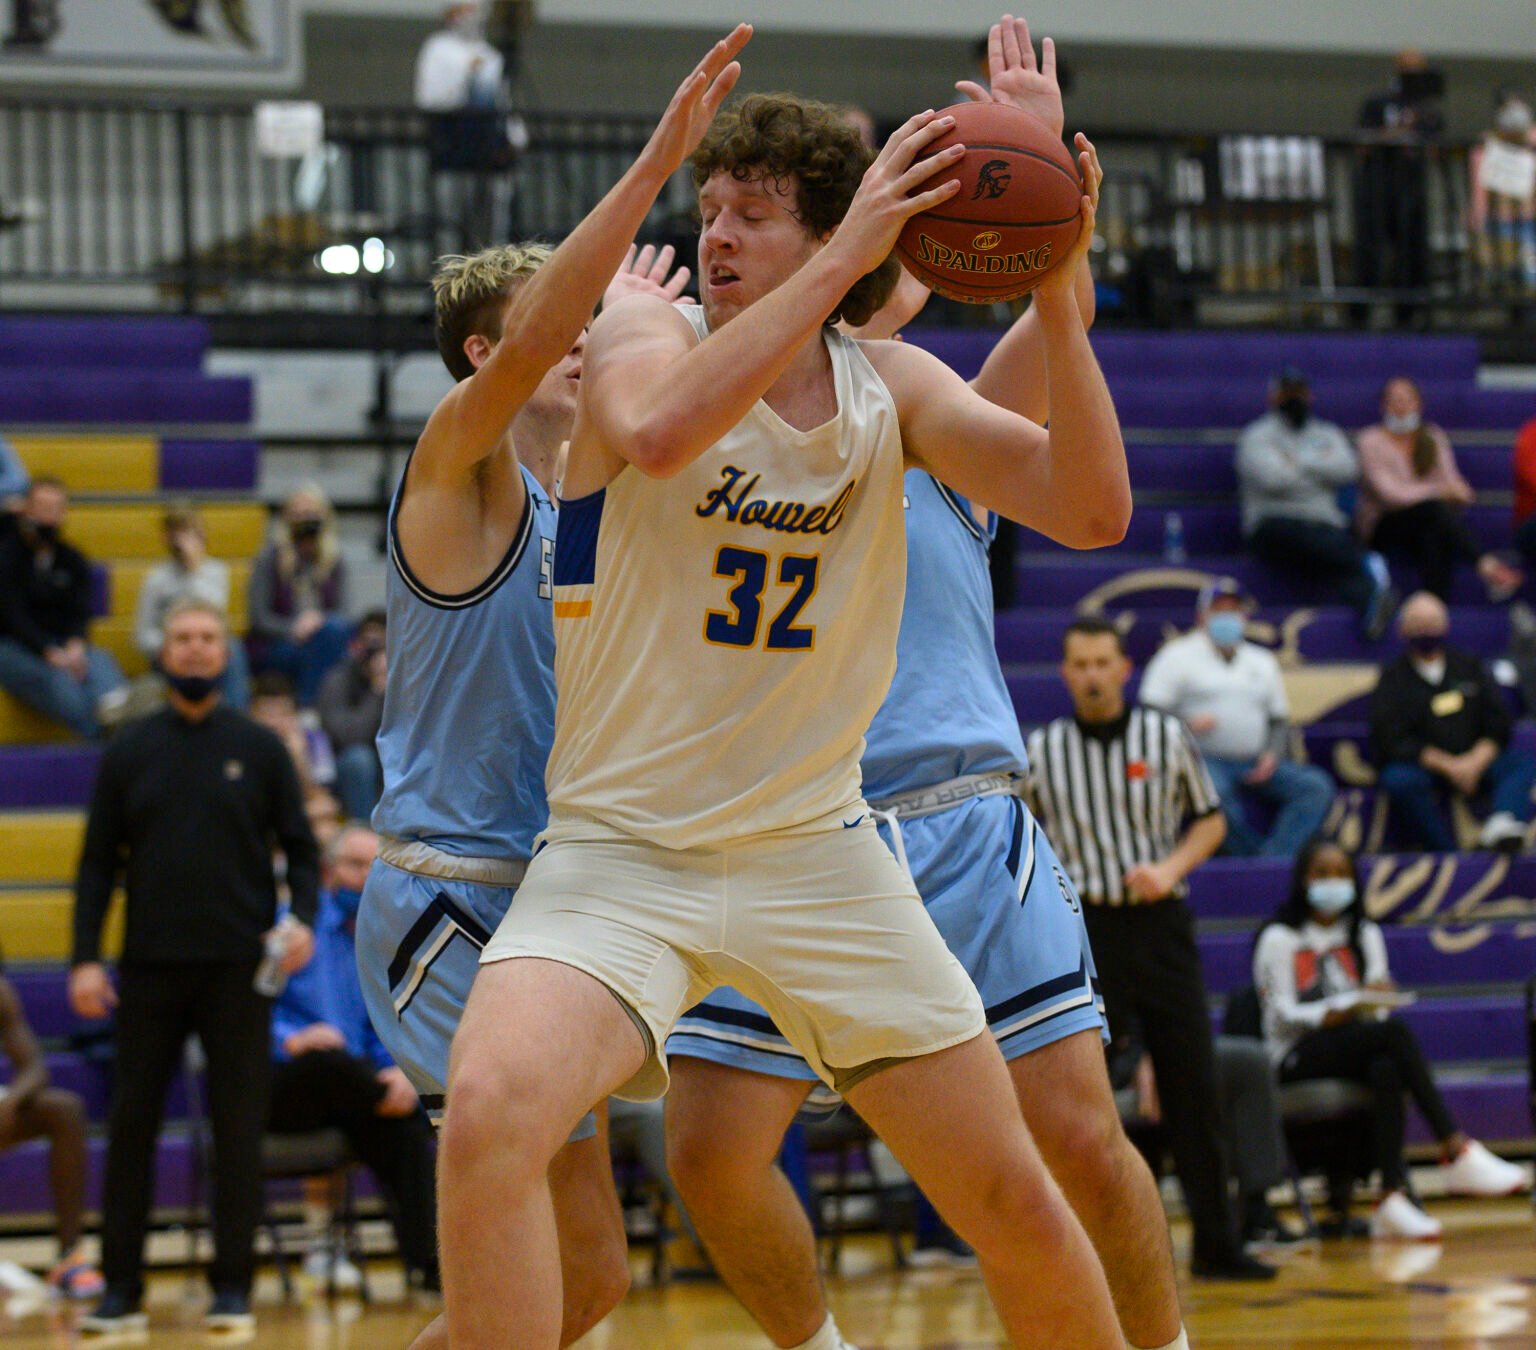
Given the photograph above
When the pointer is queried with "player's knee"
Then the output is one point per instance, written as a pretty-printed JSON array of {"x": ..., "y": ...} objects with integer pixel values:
[
  {"x": 495, "y": 1101},
  {"x": 59, "y": 1112},
  {"x": 1009, "y": 1204},
  {"x": 706, "y": 1162},
  {"x": 1087, "y": 1152}
]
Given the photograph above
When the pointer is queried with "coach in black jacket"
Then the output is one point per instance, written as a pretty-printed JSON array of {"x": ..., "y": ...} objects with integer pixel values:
[
  {"x": 1439, "y": 721},
  {"x": 189, "y": 804}
]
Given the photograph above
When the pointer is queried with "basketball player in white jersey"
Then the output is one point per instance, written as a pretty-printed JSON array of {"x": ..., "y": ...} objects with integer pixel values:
[
  {"x": 728, "y": 582},
  {"x": 469, "y": 711},
  {"x": 946, "y": 754}
]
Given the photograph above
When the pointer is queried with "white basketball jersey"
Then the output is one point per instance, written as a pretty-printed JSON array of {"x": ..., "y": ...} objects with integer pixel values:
[{"x": 724, "y": 637}]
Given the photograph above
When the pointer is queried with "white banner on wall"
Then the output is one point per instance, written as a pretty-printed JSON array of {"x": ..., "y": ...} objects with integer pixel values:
[{"x": 203, "y": 43}]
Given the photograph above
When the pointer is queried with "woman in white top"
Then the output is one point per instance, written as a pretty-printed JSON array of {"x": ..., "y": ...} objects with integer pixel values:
[{"x": 1315, "y": 966}]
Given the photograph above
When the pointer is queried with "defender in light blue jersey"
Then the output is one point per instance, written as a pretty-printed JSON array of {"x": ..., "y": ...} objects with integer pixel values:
[
  {"x": 943, "y": 769},
  {"x": 469, "y": 706}
]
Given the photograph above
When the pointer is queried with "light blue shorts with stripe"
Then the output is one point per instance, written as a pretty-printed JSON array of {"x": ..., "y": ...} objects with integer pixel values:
[
  {"x": 1002, "y": 901},
  {"x": 418, "y": 951}
]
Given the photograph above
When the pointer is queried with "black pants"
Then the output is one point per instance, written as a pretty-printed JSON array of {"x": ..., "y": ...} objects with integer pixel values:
[
  {"x": 1434, "y": 536},
  {"x": 1328, "y": 555},
  {"x": 161, "y": 1004},
  {"x": 1149, "y": 970},
  {"x": 330, "y": 1089},
  {"x": 1386, "y": 1058}
]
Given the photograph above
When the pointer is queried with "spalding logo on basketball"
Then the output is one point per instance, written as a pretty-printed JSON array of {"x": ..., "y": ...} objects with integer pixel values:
[{"x": 1017, "y": 211}]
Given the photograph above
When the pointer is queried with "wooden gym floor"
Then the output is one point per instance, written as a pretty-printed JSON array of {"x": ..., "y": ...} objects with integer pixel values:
[{"x": 1474, "y": 1291}]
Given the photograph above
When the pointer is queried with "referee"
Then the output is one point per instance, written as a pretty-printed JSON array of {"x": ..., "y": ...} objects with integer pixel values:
[
  {"x": 189, "y": 804},
  {"x": 1113, "y": 787}
]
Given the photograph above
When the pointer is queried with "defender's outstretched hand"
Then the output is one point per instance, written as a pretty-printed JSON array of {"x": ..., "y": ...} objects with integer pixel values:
[
  {"x": 888, "y": 194},
  {"x": 645, "y": 273},
  {"x": 697, "y": 100},
  {"x": 1015, "y": 78},
  {"x": 1062, "y": 279}
]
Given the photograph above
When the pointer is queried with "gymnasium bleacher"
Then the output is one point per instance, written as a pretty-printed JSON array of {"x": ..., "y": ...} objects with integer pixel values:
[{"x": 121, "y": 410}]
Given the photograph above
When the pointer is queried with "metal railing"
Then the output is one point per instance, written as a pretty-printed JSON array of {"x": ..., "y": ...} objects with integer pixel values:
[{"x": 135, "y": 205}]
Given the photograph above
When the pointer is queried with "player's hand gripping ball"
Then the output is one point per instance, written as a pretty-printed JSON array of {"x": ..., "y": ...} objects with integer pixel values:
[{"x": 1017, "y": 213}]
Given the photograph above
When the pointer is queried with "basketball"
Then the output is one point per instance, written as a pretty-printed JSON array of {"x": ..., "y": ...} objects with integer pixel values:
[{"x": 1016, "y": 214}]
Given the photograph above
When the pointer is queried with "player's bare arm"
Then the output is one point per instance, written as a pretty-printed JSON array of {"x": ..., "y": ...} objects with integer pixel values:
[
  {"x": 545, "y": 317},
  {"x": 654, "y": 398}
]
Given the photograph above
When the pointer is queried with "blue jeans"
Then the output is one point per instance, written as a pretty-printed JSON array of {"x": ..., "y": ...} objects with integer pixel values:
[
  {"x": 306, "y": 663},
  {"x": 1302, "y": 794},
  {"x": 1415, "y": 795},
  {"x": 56, "y": 693},
  {"x": 359, "y": 780}
]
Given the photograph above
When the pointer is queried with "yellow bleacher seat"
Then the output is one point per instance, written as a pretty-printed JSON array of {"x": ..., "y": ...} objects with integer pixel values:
[
  {"x": 111, "y": 530},
  {"x": 115, "y": 634},
  {"x": 91, "y": 463},
  {"x": 128, "y": 576},
  {"x": 40, "y": 848},
  {"x": 20, "y": 725},
  {"x": 37, "y": 924}
]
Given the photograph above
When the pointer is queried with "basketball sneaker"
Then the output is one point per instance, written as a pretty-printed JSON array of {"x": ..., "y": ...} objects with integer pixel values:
[
  {"x": 230, "y": 1311},
  {"x": 1398, "y": 1219},
  {"x": 75, "y": 1277},
  {"x": 1476, "y": 1171},
  {"x": 118, "y": 1314}
]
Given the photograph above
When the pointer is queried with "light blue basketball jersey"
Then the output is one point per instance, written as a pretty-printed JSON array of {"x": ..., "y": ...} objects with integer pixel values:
[
  {"x": 948, "y": 713},
  {"x": 469, "y": 711}
]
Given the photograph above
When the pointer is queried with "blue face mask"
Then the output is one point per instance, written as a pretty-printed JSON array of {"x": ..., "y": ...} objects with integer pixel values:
[
  {"x": 1331, "y": 895},
  {"x": 347, "y": 901},
  {"x": 1225, "y": 627}
]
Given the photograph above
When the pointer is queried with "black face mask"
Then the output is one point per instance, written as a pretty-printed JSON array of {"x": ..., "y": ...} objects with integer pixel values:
[
  {"x": 1295, "y": 411},
  {"x": 195, "y": 688},
  {"x": 1426, "y": 645},
  {"x": 305, "y": 529},
  {"x": 46, "y": 535}
]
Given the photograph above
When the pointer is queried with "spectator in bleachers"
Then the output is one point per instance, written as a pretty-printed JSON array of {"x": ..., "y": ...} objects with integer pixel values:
[
  {"x": 332, "y": 1072},
  {"x": 1439, "y": 723},
  {"x": 351, "y": 706},
  {"x": 32, "y": 1109},
  {"x": 14, "y": 480},
  {"x": 1290, "y": 469},
  {"x": 1230, "y": 695},
  {"x": 189, "y": 571},
  {"x": 1502, "y": 209},
  {"x": 1525, "y": 492},
  {"x": 1316, "y": 965},
  {"x": 298, "y": 595},
  {"x": 187, "y": 807},
  {"x": 1412, "y": 495},
  {"x": 45, "y": 607},
  {"x": 275, "y": 707}
]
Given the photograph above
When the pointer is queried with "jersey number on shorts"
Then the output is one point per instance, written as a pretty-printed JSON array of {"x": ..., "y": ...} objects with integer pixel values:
[{"x": 749, "y": 568}]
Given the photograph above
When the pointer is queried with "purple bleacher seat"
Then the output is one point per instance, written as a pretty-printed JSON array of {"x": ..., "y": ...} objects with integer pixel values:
[
  {"x": 1331, "y": 634},
  {"x": 101, "y": 590},
  {"x": 1203, "y": 471},
  {"x": 51, "y": 341},
  {"x": 47, "y": 775},
  {"x": 44, "y": 994},
  {"x": 1064, "y": 579},
  {"x": 1420, "y": 955},
  {"x": 24, "y": 1175},
  {"x": 207, "y": 466},
  {"x": 110, "y": 395},
  {"x": 1248, "y": 358},
  {"x": 1489, "y": 1106}
]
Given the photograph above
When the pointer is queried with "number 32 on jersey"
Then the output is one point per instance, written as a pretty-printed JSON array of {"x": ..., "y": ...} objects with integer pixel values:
[{"x": 751, "y": 569}]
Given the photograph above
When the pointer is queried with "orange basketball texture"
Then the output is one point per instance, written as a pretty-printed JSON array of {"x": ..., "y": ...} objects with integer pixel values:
[{"x": 1016, "y": 214}]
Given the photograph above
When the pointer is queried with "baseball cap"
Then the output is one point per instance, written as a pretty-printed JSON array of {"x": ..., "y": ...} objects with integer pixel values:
[{"x": 1222, "y": 588}]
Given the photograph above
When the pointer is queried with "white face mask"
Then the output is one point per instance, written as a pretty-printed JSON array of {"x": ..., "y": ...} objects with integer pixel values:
[
  {"x": 1331, "y": 895},
  {"x": 1514, "y": 119},
  {"x": 1404, "y": 424}
]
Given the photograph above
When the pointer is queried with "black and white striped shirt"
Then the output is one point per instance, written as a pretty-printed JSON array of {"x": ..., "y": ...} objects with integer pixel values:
[{"x": 1114, "y": 794}]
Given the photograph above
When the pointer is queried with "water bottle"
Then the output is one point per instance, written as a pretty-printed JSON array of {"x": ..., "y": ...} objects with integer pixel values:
[
  {"x": 270, "y": 975},
  {"x": 1173, "y": 538}
]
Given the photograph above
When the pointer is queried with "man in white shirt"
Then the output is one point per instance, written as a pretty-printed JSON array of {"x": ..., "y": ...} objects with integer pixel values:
[
  {"x": 1229, "y": 693},
  {"x": 457, "y": 68}
]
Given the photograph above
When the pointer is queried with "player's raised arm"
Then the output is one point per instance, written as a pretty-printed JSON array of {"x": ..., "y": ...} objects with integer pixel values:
[
  {"x": 547, "y": 314},
  {"x": 1070, "y": 483},
  {"x": 653, "y": 397}
]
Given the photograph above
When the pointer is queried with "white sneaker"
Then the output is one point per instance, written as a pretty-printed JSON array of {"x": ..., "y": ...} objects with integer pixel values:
[
  {"x": 324, "y": 1266},
  {"x": 1398, "y": 1219},
  {"x": 1501, "y": 830},
  {"x": 1475, "y": 1171}
]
